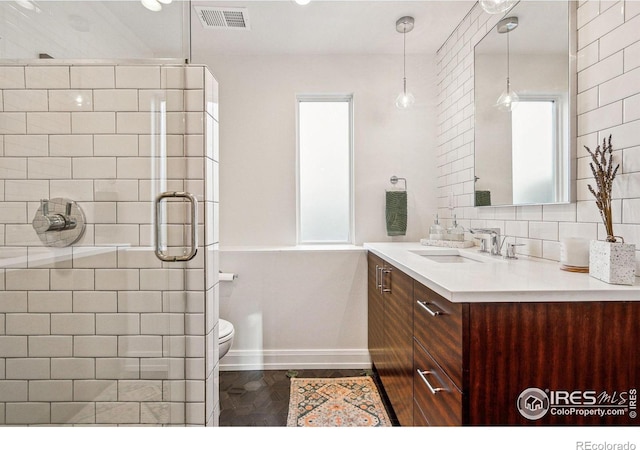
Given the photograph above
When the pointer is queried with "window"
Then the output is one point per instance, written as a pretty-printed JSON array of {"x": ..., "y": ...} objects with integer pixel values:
[
  {"x": 534, "y": 145},
  {"x": 325, "y": 155}
]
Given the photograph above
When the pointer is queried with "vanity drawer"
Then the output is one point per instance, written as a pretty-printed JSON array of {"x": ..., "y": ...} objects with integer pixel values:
[
  {"x": 419, "y": 420},
  {"x": 434, "y": 393},
  {"x": 437, "y": 326}
]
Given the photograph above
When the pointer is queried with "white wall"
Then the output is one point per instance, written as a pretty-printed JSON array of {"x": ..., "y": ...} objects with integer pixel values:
[
  {"x": 258, "y": 143},
  {"x": 608, "y": 64},
  {"x": 296, "y": 309},
  {"x": 308, "y": 308}
]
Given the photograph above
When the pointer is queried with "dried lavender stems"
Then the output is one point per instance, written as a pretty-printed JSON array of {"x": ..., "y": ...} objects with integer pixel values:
[{"x": 604, "y": 173}]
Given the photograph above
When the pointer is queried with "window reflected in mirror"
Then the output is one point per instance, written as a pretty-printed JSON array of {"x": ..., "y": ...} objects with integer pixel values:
[{"x": 534, "y": 145}]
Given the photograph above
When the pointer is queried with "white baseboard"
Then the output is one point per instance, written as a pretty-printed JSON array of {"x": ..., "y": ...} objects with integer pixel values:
[{"x": 295, "y": 359}]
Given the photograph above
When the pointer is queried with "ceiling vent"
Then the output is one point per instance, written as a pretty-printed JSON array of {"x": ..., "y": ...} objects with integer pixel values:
[{"x": 223, "y": 18}]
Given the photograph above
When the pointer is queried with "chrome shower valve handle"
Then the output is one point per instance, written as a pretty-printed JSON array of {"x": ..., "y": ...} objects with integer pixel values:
[
  {"x": 46, "y": 221},
  {"x": 59, "y": 222}
]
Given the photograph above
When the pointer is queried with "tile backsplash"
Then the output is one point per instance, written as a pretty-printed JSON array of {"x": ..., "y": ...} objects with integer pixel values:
[
  {"x": 103, "y": 332},
  {"x": 608, "y": 102}
]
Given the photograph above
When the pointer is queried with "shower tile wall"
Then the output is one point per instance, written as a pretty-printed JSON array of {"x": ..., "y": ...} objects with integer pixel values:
[
  {"x": 103, "y": 332},
  {"x": 608, "y": 87}
]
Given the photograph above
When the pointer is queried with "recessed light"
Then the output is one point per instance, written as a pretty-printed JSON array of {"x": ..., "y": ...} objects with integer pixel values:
[{"x": 151, "y": 5}]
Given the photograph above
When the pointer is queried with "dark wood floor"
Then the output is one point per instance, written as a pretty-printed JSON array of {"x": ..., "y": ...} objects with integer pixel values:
[{"x": 261, "y": 398}]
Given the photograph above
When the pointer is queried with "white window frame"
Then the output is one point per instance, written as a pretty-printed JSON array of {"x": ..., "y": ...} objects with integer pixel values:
[{"x": 300, "y": 98}]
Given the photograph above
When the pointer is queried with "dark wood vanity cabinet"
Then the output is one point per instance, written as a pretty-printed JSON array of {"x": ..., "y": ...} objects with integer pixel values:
[
  {"x": 375, "y": 314},
  {"x": 444, "y": 363},
  {"x": 437, "y": 357},
  {"x": 390, "y": 339}
]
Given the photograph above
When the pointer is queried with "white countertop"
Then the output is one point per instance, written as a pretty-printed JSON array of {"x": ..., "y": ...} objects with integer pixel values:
[{"x": 494, "y": 279}]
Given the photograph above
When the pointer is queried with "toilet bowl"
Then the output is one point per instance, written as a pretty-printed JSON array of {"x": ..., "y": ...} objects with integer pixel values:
[{"x": 225, "y": 339}]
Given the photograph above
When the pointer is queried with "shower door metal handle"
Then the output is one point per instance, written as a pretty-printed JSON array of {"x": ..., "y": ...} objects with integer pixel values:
[{"x": 194, "y": 227}]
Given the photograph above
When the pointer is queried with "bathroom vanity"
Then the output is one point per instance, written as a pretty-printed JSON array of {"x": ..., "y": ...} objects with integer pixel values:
[{"x": 460, "y": 338}]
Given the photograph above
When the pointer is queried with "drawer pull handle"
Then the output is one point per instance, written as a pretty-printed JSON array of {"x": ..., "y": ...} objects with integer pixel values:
[
  {"x": 433, "y": 390},
  {"x": 383, "y": 287},
  {"x": 429, "y": 310}
]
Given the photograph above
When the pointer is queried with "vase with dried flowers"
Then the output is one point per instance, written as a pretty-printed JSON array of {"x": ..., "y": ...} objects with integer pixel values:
[{"x": 612, "y": 260}]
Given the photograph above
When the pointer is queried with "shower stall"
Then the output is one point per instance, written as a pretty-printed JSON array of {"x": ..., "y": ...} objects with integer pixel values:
[{"x": 108, "y": 226}]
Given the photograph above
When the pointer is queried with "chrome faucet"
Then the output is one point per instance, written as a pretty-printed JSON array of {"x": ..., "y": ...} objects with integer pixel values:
[{"x": 494, "y": 236}]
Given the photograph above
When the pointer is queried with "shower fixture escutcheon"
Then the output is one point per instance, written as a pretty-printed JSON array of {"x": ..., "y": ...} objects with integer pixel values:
[{"x": 59, "y": 222}]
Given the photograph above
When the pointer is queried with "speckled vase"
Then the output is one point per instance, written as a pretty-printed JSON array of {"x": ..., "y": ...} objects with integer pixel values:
[{"x": 612, "y": 262}]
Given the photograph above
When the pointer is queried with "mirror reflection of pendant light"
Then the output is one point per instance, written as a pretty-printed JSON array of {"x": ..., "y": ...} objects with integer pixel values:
[
  {"x": 302, "y": 2},
  {"x": 508, "y": 99},
  {"x": 405, "y": 98},
  {"x": 497, "y": 6}
]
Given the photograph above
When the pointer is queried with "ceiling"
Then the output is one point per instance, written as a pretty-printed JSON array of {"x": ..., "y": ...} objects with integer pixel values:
[
  {"x": 542, "y": 29},
  {"x": 330, "y": 27},
  {"x": 118, "y": 28}
]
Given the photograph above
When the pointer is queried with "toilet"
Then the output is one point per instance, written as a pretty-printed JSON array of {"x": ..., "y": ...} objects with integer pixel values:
[{"x": 225, "y": 339}]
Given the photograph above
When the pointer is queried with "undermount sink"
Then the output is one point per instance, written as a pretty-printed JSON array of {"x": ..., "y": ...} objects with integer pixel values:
[
  {"x": 451, "y": 256},
  {"x": 450, "y": 259}
]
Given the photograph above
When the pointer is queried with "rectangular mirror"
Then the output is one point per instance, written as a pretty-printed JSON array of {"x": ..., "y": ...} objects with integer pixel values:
[{"x": 524, "y": 82}]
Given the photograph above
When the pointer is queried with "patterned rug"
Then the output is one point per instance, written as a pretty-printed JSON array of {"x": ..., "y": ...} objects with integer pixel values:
[{"x": 336, "y": 402}]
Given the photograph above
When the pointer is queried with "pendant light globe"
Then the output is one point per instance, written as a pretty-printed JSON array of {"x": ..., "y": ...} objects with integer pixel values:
[
  {"x": 405, "y": 99},
  {"x": 508, "y": 100}
]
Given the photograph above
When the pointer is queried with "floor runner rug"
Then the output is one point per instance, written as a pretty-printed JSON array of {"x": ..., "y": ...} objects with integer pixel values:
[{"x": 336, "y": 402}]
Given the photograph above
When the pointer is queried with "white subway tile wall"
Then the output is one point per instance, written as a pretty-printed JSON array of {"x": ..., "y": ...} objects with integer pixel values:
[
  {"x": 608, "y": 102},
  {"x": 95, "y": 333}
]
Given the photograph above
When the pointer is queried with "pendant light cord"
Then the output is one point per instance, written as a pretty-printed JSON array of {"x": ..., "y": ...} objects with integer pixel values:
[
  {"x": 508, "y": 67},
  {"x": 404, "y": 58},
  {"x": 405, "y": 99}
]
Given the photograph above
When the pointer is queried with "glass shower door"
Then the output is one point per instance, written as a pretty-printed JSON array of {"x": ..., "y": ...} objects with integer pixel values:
[{"x": 95, "y": 327}]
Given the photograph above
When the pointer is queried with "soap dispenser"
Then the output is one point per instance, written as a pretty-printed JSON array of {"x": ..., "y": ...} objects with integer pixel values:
[
  {"x": 436, "y": 232},
  {"x": 455, "y": 232}
]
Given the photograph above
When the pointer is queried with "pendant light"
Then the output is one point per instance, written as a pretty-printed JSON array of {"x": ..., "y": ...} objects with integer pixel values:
[
  {"x": 497, "y": 6},
  {"x": 508, "y": 100},
  {"x": 405, "y": 98}
]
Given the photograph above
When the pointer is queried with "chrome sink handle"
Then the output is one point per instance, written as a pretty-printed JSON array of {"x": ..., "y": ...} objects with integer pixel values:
[
  {"x": 483, "y": 245},
  {"x": 511, "y": 251},
  {"x": 494, "y": 234}
]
